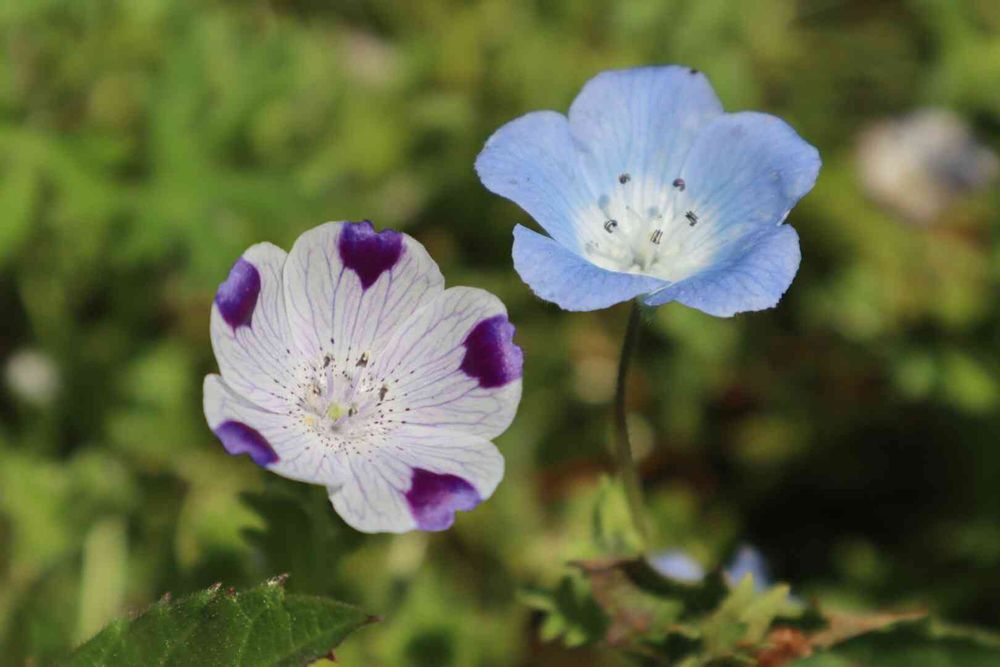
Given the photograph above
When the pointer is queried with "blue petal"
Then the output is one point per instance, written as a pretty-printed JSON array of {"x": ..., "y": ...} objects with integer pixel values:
[
  {"x": 532, "y": 162},
  {"x": 749, "y": 561},
  {"x": 745, "y": 170},
  {"x": 638, "y": 122},
  {"x": 751, "y": 277},
  {"x": 568, "y": 280},
  {"x": 641, "y": 122},
  {"x": 677, "y": 565}
]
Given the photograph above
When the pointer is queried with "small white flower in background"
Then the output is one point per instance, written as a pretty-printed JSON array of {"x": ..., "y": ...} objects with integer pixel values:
[
  {"x": 919, "y": 164},
  {"x": 32, "y": 376},
  {"x": 346, "y": 363}
]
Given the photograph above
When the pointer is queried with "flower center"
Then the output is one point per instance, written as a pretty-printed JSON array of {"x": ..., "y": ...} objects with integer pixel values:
[
  {"x": 641, "y": 227},
  {"x": 340, "y": 397}
]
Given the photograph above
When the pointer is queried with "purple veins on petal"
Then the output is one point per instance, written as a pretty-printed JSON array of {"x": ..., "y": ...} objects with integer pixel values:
[
  {"x": 369, "y": 253},
  {"x": 490, "y": 353},
  {"x": 238, "y": 438},
  {"x": 237, "y": 296},
  {"x": 434, "y": 498}
]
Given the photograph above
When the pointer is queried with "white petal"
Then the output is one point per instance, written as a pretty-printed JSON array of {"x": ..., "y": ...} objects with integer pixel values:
[
  {"x": 452, "y": 365},
  {"x": 347, "y": 287},
  {"x": 417, "y": 480},
  {"x": 249, "y": 328},
  {"x": 296, "y": 451}
]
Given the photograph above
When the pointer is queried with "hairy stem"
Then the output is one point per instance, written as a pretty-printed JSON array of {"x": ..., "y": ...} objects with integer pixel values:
[{"x": 623, "y": 448}]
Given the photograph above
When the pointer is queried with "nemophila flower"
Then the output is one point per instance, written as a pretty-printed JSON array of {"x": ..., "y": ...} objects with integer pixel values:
[
  {"x": 678, "y": 565},
  {"x": 346, "y": 362},
  {"x": 648, "y": 189}
]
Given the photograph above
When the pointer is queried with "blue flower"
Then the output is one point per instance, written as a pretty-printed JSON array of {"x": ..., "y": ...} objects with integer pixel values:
[
  {"x": 648, "y": 189},
  {"x": 678, "y": 565}
]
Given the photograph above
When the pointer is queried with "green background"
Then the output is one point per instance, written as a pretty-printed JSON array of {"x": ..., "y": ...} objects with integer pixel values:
[{"x": 851, "y": 433}]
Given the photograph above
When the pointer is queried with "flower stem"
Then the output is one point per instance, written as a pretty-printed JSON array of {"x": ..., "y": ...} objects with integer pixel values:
[{"x": 623, "y": 448}]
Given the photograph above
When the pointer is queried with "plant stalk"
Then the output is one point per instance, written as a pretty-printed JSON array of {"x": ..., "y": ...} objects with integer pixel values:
[{"x": 623, "y": 448}]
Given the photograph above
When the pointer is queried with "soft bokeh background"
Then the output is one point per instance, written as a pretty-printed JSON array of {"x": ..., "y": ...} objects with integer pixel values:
[{"x": 851, "y": 433}]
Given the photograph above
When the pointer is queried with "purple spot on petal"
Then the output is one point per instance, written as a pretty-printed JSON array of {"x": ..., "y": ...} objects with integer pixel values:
[
  {"x": 435, "y": 498},
  {"x": 490, "y": 353},
  {"x": 238, "y": 438},
  {"x": 368, "y": 253},
  {"x": 237, "y": 297}
]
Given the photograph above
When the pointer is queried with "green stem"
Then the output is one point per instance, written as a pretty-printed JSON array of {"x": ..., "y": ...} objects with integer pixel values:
[{"x": 623, "y": 448}]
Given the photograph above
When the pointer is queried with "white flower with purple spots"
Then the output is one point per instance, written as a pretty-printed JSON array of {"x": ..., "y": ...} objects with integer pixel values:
[
  {"x": 346, "y": 362},
  {"x": 647, "y": 189}
]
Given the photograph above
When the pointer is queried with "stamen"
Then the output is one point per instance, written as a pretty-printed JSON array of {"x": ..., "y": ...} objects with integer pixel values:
[
  {"x": 656, "y": 236},
  {"x": 624, "y": 178},
  {"x": 363, "y": 361},
  {"x": 692, "y": 218},
  {"x": 679, "y": 184},
  {"x": 382, "y": 392},
  {"x": 610, "y": 225}
]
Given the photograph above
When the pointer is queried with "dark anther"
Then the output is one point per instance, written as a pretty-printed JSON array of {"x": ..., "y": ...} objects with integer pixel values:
[
  {"x": 610, "y": 225},
  {"x": 382, "y": 392},
  {"x": 363, "y": 361},
  {"x": 692, "y": 218},
  {"x": 351, "y": 411},
  {"x": 656, "y": 236},
  {"x": 679, "y": 184},
  {"x": 624, "y": 178},
  {"x": 693, "y": 71},
  {"x": 326, "y": 361}
]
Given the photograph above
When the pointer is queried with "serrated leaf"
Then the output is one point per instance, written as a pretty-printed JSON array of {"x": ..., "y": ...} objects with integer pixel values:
[{"x": 259, "y": 627}]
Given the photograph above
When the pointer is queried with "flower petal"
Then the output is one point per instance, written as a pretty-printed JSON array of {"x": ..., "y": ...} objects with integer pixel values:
[
  {"x": 752, "y": 276},
  {"x": 677, "y": 565},
  {"x": 452, "y": 365},
  {"x": 640, "y": 124},
  {"x": 745, "y": 170},
  {"x": 568, "y": 280},
  {"x": 532, "y": 161},
  {"x": 418, "y": 479},
  {"x": 249, "y": 328},
  {"x": 347, "y": 287},
  {"x": 275, "y": 441}
]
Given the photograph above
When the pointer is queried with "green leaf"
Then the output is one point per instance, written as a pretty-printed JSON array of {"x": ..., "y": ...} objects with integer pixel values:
[
  {"x": 910, "y": 642},
  {"x": 262, "y": 626},
  {"x": 570, "y": 612}
]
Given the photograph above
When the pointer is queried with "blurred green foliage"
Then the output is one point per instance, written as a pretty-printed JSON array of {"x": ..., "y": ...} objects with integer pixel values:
[{"x": 851, "y": 434}]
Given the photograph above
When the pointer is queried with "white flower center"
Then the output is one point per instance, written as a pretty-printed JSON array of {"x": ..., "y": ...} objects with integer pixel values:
[
  {"x": 641, "y": 228},
  {"x": 338, "y": 399}
]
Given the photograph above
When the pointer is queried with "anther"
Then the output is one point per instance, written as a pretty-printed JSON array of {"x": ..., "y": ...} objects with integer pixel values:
[
  {"x": 624, "y": 178},
  {"x": 363, "y": 360},
  {"x": 679, "y": 184},
  {"x": 656, "y": 236},
  {"x": 610, "y": 225},
  {"x": 692, "y": 218},
  {"x": 382, "y": 392},
  {"x": 326, "y": 360}
]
